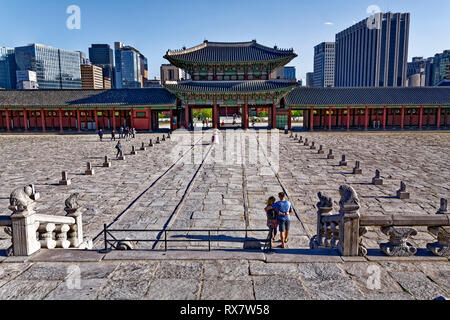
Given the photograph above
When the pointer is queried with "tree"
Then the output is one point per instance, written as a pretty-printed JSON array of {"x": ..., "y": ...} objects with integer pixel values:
[{"x": 263, "y": 114}]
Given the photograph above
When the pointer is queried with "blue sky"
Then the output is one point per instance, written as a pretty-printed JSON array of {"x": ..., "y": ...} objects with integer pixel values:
[{"x": 153, "y": 26}]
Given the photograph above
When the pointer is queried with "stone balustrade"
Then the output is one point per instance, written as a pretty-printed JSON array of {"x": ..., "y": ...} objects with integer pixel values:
[
  {"x": 344, "y": 231},
  {"x": 30, "y": 231}
]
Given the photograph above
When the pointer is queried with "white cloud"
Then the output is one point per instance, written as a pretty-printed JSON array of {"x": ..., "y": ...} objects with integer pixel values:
[{"x": 329, "y": 23}]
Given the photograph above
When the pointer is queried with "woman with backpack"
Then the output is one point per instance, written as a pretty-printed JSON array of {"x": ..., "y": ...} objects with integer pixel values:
[{"x": 272, "y": 217}]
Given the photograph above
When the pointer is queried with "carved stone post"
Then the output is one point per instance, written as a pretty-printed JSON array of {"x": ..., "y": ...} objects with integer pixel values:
[
  {"x": 295, "y": 138},
  {"x": 324, "y": 208},
  {"x": 107, "y": 163},
  {"x": 343, "y": 162},
  {"x": 306, "y": 142},
  {"x": 168, "y": 136},
  {"x": 121, "y": 156},
  {"x": 401, "y": 193},
  {"x": 398, "y": 244},
  {"x": 65, "y": 181},
  {"x": 313, "y": 146},
  {"x": 74, "y": 210},
  {"x": 443, "y": 207},
  {"x": 442, "y": 246},
  {"x": 150, "y": 143},
  {"x": 143, "y": 148},
  {"x": 157, "y": 140},
  {"x": 163, "y": 138},
  {"x": 133, "y": 151},
  {"x": 300, "y": 140},
  {"x": 23, "y": 223},
  {"x": 330, "y": 155},
  {"x": 89, "y": 171},
  {"x": 320, "y": 151},
  {"x": 349, "y": 222},
  {"x": 377, "y": 179},
  {"x": 357, "y": 169}
]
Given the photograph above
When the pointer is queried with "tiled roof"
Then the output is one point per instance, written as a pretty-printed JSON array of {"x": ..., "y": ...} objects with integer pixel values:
[
  {"x": 147, "y": 96},
  {"x": 369, "y": 96},
  {"x": 230, "y": 86},
  {"x": 229, "y": 52}
]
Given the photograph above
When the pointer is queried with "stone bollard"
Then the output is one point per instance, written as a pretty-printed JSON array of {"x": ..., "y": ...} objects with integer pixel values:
[
  {"x": 163, "y": 138},
  {"x": 324, "y": 208},
  {"x": 150, "y": 143},
  {"x": 143, "y": 148},
  {"x": 300, "y": 140},
  {"x": 330, "y": 155},
  {"x": 313, "y": 146},
  {"x": 89, "y": 171},
  {"x": 349, "y": 231},
  {"x": 295, "y": 137},
  {"x": 357, "y": 169},
  {"x": 133, "y": 151},
  {"x": 401, "y": 193},
  {"x": 320, "y": 151},
  {"x": 292, "y": 135},
  {"x": 343, "y": 162},
  {"x": 64, "y": 181},
  {"x": 74, "y": 210},
  {"x": 168, "y": 136},
  {"x": 443, "y": 207},
  {"x": 306, "y": 142},
  {"x": 157, "y": 140},
  {"x": 377, "y": 179},
  {"x": 121, "y": 156},
  {"x": 107, "y": 163}
]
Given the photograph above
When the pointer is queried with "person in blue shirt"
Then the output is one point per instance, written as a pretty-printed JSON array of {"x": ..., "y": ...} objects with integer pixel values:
[{"x": 284, "y": 209}]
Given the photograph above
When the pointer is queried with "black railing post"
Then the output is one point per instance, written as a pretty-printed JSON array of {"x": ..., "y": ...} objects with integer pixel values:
[{"x": 105, "y": 235}]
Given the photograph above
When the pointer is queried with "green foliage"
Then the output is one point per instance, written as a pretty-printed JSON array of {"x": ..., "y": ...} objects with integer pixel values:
[
  {"x": 297, "y": 113},
  {"x": 202, "y": 113},
  {"x": 262, "y": 114}
]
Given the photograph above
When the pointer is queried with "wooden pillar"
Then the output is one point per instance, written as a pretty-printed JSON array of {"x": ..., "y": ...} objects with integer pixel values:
[
  {"x": 245, "y": 116},
  {"x": 43, "y": 120},
  {"x": 420, "y": 117},
  {"x": 290, "y": 118},
  {"x": 96, "y": 119},
  {"x": 114, "y": 119},
  {"x": 402, "y": 118},
  {"x": 438, "y": 118},
  {"x": 186, "y": 115},
  {"x": 384, "y": 117},
  {"x": 215, "y": 117},
  {"x": 25, "y": 126},
  {"x": 311, "y": 119},
  {"x": 78, "y": 120},
  {"x": 150, "y": 120},
  {"x": 7, "y": 121},
  {"x": 348, "y": 118},
  {"x": 330, "y": 111},
  {"x": 60, "y": 120},
  {"x": 366, "y": 118},
  {"x": 171, "y": 118},
  {"x": 274, "y": 116}
]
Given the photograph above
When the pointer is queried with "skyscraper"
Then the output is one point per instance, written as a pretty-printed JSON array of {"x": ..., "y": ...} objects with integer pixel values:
[
  {"x": 324, "y": 64},
  {"x": 55, "y": 68},
  {"x": 373, "y": 55},
  {"x": 440, "y": 63},
  {"x": 7, "y": 68},
  {"x": 131, "y": 67},
  {"x": 102, "y": 55},
  {"x": 309, "y": 79}
]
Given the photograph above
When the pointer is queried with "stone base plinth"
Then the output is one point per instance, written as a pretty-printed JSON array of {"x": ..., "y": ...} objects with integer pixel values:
[
  {"x": 402, "y": 195},
  {"x": 377, "y": 182}
]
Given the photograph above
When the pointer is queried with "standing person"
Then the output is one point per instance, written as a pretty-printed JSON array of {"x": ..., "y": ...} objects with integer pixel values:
[
  {"x": 134, "y": 133},
  {"x": 121, "y": 133},
  {"x": 284, "y": 209},
  {"x": 100, "y": 134},
  {"x": 127, "y": 133},
  {"x": 119, "y": 149},
  {"x": 272, "y": 218},
  {"x": 113, "y": 135}
]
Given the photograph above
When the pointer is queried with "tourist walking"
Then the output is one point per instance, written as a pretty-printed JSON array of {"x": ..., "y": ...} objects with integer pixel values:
[
  {"x": 121, "y": 133},
  {"x": 284, "y": 209},
  {"x": 127, "y": 133},
  {"x": 272, "y": 218},
  {"x": 100, "y": 134},
  {"x": 113, "y": 135},
  {"x": 134, "y": 132},
  {"x": 119, "y": 149}
]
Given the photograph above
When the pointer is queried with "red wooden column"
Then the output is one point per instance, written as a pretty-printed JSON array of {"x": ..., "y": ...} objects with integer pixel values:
[
  {"x": 420, "y": 117},
  {"x": 171, "y": 118},
  {"x": 348, "y": 118},
  {"x": 245, "y": 116},
  {"x": 366, "y": 118},
  {"x": 78, "y": 120},
  {"x": 290, "y": 118},
  {"x": 43, "y": 120},
  {"x": 384, "y": 117},
  {"x": 25, "y": 126},
  {"x": 96, "y": 119},
  {"x": 7, "y": 121},
  {"x": 186, "y": 115},
  {"x": 132, "y": 118},
  {"x": 402, "y": 118},
  {"x": 214, "y": 116},
  {"x": 114, "y": 119},
  {"x": 274, "y": 116},
  {"x": 60, "y": 120},
  {"x": 150, "y": 122},
  {"x": 330, "y": 111},
  {"x": 311, "y": 119},
  {"x": 438, "y": 118}
]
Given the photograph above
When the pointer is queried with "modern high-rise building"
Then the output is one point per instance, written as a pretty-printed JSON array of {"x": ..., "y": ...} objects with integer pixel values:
[
  {"x": 91, "y": 77},
  {"x": 440, "y": 65},
  {"x": 102, "y": 55},
  {"x": 55, "y": 68},
  {"x": 417, "y": 72},
  {"x": 309, "y": 79},
  {"x": 7, "y": 68},
  {"x": 373, "y": 54},
  {"x": 289, "y": 73},
  {"x": 26, "y": 80},
  {"x": 324, "y": 64},
  {"x": 131, "y": 67}
]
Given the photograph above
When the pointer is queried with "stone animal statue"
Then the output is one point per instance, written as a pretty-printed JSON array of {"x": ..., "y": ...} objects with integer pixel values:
[
  {"x": 72, "y": 201},
  {"x": 349, "y": 198},
  {"x": 324, "y": 201},
  {"x": 22, "y": 199}
]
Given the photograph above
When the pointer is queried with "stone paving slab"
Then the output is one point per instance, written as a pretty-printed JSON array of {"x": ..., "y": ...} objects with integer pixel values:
[
  {"x": 184, "y": 255},
  {"x": 61, "y": 255}
]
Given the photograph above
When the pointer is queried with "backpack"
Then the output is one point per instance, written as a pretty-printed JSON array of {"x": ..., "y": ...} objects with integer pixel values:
[{"x": 272, "y": 214}]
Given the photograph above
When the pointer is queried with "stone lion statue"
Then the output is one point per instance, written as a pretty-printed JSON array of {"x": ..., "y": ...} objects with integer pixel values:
[
  {"x": 22, "y": 199},
  {"x": 349, "y": 198},
  {"x": 324, "y": 201},
  {"x": 72, "y": 201}
]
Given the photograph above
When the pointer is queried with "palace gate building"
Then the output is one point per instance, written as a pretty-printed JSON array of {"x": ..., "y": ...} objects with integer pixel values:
[{"x": 230, "y": 79}]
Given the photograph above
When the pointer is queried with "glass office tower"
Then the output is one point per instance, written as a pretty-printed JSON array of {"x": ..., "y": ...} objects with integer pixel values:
[
  {"x": 7, "y": 68},
  {"x": 102, "y": 55},
  {"x": 55, "y": 68}
]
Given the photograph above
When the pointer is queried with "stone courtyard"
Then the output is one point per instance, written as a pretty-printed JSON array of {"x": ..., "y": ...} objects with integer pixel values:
[{"x": 187, "y": 183}]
